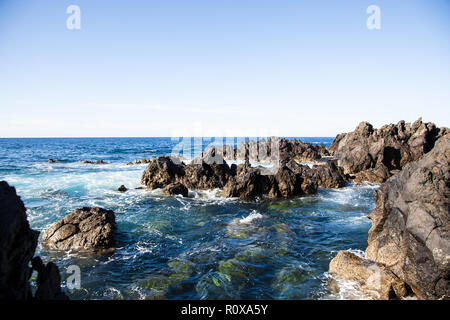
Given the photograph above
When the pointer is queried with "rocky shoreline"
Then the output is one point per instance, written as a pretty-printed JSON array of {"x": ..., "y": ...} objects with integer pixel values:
[
  {"x": 408, "y": 251},
  {"x": 18, "y": 243}
]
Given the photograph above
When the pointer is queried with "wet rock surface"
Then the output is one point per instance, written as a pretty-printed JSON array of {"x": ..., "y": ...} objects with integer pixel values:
[
  {"x": 83, "y": 229},
  {"x": 17, "y": 246}
]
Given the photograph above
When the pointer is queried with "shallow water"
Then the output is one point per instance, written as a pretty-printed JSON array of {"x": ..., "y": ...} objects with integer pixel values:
[{"x": 202, "y": 247}]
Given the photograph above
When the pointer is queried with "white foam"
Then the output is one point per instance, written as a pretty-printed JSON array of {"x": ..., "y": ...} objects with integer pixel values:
[
  {"x": 252, "y": 216},
  {"x": 348, "y": 290},
  {"x": 357, "y": 252}
]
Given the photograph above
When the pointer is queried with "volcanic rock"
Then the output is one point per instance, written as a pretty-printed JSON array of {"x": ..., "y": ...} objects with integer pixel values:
[
  {"x": 17, "y": 246},
  {"x": 410, "y": 230},
  {"x": 378, "y": 153},
  {"x": 176, "y": 188},
  {"x": 372, "y": 277},
  {"x": 85, "y": 228}
]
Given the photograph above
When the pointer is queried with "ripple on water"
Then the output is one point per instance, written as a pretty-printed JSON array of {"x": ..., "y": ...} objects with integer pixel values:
[{"x": 201, "y": 247}]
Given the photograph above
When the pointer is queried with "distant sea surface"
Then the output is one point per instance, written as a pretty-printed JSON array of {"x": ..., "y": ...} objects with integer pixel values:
[{"x": 201, "y": 247}]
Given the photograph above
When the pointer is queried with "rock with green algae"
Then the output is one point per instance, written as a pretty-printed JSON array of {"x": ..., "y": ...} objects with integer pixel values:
[
  {"x": 283, "y": 206},
  {"x": 252, "y": 254},
  {"x": 216, "y": 285},
  {"x": 293, "y": 276},
  {"x": 282, "y": 227},
  {"x": 238, "y": 230},
  {"x": 243, "y": 266},
  {"x": 156, "y": 287},
  {"x": 282, "y": 252},
  {"x": 181, "y": 269}
]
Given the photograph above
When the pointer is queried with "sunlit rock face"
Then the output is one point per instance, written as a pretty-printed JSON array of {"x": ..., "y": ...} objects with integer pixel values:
[{"x": 376, "y": 154}]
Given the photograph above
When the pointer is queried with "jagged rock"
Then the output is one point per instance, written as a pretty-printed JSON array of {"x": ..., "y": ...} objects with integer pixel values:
[
  {"x": 410, "y": 230},
  {"x": 48, "y": 281},
  {"x": 122, "y": 188},
  {"x": 286, "y": 182},
  {"x": 375, "y": 279},
  {"x": 376, "y": 153},
  {"x": 51, "y": 160},
  {"x": 138, "y": 161},
  {"x": 301, "y": 151},
  {"x": 249, "y": 184},
  {"x": 210, "y": 171},
  {"x": 85, "y": 228},
  {"x": 94, "y": 162},
  {"x": 274, "y": 149},
  {"x": 206, "y": 176},
  {"x": 379, "y": 174},
  {"x": 17, "y": 246},
  {"x": 162, "y": 171},
  {"x": 176, "y": 188}
]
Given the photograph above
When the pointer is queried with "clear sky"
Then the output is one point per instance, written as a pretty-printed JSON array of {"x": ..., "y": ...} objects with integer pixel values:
[{"x": 220, "y": 67}]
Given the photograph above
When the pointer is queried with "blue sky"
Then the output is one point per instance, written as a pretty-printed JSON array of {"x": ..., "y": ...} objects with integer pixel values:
[{"x": 220, "y": 68}]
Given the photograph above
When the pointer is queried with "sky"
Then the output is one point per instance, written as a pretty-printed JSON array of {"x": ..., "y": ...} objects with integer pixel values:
[{"x": 220, "y": 67}]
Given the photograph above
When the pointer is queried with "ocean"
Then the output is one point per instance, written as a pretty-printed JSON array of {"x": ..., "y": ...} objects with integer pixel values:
[{"x": 201, "y": 247}]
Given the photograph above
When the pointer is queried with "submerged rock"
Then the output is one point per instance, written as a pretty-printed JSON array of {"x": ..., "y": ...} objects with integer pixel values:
[
  {"x": 85, "y": 228},
  {"x": 17, "y": 246},
  {"x": 375, "y": 154}
]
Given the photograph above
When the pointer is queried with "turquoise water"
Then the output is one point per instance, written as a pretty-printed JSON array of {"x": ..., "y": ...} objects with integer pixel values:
[{"x": 202, "y": 247}]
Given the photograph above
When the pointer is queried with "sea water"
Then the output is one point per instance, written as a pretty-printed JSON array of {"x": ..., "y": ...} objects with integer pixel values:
[{"x": 201, "y": 247}]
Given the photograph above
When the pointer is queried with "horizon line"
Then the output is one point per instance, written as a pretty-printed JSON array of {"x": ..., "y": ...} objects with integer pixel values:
[{"x": 136, "y": 137}]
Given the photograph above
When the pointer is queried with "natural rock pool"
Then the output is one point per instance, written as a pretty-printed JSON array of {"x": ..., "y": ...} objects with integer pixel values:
[{"x": 201, "y": 247}]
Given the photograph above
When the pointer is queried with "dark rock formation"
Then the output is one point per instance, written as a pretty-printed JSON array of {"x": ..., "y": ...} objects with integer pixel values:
[
  {"x": 329, "y": 175},
  {"x": 410, "y": 233},
  {"x": 274, "y": 149},
  {"x": 243, "y": 181},
  {"x": 94, "y": 162},
  {"x": 162, "y": 171},
  {"x": 176, "y": 188},
  {"x": 411, "y": 223},
  {"x": 301, "y": 151},
  {"x": 138, "y": 161},
  {"x": 48, "y": 281},
  {"x": 122, "y": 188},
  {"x": 17, "y": 246},
  {"x": 375, "y": 154},
  {"x": 51, "y": 160},
  {"x": 208, "y": 171},
  {"x": 85, "y": 228},
  {"x": 285, "y": 179}
]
